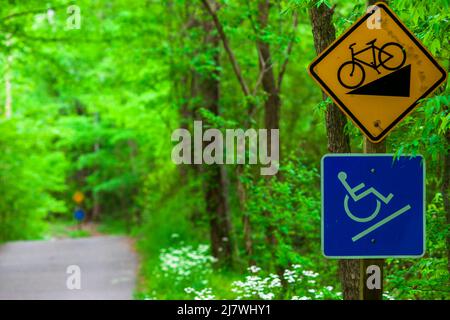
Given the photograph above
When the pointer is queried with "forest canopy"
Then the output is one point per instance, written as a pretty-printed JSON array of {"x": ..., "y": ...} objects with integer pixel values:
[{"x": 92, "y": 92}]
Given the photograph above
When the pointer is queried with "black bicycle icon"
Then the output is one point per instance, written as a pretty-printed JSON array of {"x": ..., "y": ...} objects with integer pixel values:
[{"x": 391, "y": 56}]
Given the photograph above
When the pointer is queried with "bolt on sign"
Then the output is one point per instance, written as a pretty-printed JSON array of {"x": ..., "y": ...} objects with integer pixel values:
[{"x": 377, "y": 75}]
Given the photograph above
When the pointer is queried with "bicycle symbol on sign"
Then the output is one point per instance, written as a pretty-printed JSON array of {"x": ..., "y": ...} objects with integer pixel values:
[
  {"x": 352, "y": 193},
  {"x": 391, "y": 56}
]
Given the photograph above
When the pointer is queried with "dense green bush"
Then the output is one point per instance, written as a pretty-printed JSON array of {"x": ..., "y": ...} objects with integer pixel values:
[
  {"x": 428, "y": 277},
  {"x": 32, "y": 179}
]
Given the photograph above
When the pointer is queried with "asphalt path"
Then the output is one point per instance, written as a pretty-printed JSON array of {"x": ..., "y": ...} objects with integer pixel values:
[{"x": 38, "y": 270}]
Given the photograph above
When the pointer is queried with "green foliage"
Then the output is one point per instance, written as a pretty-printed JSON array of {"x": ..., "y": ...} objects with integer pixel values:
[
  {"x": 64, "y": 228},
  {"x": 32, "y": 176},
  {"x": 428, "y": 277},
  {"x": 290, "y": 199},
  {"x": 184, "y": 271}
]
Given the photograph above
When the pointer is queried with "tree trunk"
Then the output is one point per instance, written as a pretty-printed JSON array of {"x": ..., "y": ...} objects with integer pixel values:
[
  {"x": 246, "y": 222},
  {"x": 445, "y": 184},
  {"x": 269, "y": 85},
  {"x": 272, "y": 103},
  {"x": 215, "y": 177},
  {"x": 186, "y": 118},
  {"x": 211, "y": 7},
  {"x": 338, "y": 141},
  {"x": 445, "y": 188},
  {"x": 372, "y": 2},
  {"x": 184, "y": 82}
]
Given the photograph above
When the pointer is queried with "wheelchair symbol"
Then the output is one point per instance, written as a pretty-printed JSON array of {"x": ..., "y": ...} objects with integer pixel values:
[{"x": 352, "y": 193}]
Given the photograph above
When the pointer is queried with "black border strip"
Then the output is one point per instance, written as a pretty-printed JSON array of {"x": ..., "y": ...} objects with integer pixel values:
[{"x": 342, "y": 105}]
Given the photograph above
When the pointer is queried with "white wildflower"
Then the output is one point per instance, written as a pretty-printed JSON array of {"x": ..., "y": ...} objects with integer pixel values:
[
  {"x": 268, "y": 296},
  {"x": 311, "y": 274},
  {"x": 254, "y": 269}
]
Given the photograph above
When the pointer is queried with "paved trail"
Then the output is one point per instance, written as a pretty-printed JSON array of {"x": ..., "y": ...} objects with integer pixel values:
[{"x": 37, "y": 269}]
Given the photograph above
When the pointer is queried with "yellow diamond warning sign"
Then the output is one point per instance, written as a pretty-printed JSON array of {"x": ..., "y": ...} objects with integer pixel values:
[
  {"x": 78, "y": 197},
  {"x": 377, "y": 71}
]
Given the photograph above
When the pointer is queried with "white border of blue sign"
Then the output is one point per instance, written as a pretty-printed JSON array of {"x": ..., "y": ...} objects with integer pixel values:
[{"x": 372, "y": 155}]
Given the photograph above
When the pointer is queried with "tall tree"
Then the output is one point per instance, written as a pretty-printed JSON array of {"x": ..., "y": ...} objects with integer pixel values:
[
  {"x": 445, "y": 185},
  {"x": 338, "y": 140},
  {"x": 215, "y": 174},
  {"x": 271, "y": 86}
]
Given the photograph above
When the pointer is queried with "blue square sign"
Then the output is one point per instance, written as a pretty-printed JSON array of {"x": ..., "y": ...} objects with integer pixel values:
[{"x": 373, "y": 206}]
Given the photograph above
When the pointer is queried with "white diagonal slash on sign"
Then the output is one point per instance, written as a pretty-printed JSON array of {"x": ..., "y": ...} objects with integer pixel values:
[{"x": 382, "y": 222}]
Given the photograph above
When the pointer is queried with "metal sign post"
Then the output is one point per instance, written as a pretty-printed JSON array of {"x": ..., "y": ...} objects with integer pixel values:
[{"x": 366, "y": 268}]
